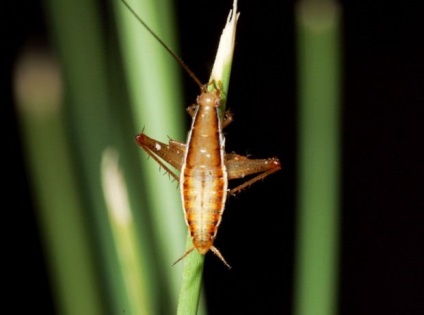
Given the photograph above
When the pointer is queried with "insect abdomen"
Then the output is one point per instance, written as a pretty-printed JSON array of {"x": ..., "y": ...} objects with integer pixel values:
[{"x": 204, "y": 201}]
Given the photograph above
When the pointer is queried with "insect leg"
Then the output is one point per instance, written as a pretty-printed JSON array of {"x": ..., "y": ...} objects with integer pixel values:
[
  {"x": 239, "y": 166},
  {"x": 178, "y": 146},
  {"x": 191, "y": 110},
  {"x": 172, "y": 153},
  {"x": 227, "y": 119}
]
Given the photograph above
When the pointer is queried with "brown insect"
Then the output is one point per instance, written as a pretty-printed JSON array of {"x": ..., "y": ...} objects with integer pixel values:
[{"x": 205, "y": 168}]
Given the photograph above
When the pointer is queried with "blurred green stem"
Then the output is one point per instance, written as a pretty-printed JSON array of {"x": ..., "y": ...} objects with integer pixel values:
[
  {"x": 318, "y": 24},
  {"x": 155, "y": 97},
  {"x": 78, "y": 35},
  {"x": 60, "y": 211}
]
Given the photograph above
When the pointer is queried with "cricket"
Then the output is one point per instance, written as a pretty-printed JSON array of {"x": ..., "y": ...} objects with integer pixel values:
[{"x": 203, "y": 164}]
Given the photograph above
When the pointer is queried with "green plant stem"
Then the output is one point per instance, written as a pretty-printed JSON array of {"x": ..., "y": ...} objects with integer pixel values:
[
  {"x": 154, "y": 92},
  {"x": 319, "y": 163},
  {"x": 191, "y": 281},
  {"x": 193, "y": 267},
  {"x": 59, "y": 208},
  {"x": 78, "y": 35}
]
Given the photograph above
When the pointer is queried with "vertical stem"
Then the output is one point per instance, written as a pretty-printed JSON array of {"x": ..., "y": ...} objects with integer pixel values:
[
  {"x": 193, "y": 264},
  {"x": 319, "y": 145},
  {"x": 78, "y": 35},
  {"x": 59, "y": 207},
  {"x": 154, "y": 91}
]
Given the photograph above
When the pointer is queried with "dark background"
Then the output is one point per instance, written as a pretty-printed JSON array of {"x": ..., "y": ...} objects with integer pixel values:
[{"x": 382, "y": 154}]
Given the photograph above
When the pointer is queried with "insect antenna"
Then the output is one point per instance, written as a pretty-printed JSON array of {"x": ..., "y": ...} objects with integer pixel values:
[{"x": 178, "y": 59}]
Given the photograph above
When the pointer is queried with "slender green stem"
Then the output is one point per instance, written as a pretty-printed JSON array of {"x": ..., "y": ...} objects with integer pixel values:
[
  {"x": 191, "y": 281},
  {"x": 138, "y": 284},
  {"x": 319, "y": 145},
  {"x": 154, "y": 92},
  {"x": 96, "y": 124},
  {"x": 193, "y": 268},
  {"x": 59, "y": 207},
  {"x": 77, "y": 34}
]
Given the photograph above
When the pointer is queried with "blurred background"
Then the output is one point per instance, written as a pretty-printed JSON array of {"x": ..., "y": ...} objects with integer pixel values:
[{"x": 378, "y": 220}]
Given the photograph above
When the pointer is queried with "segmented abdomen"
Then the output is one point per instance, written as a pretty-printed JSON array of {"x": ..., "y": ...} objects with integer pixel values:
[
  {"x": 204, "y": 198},
  {"x": 203, "y": 179}
]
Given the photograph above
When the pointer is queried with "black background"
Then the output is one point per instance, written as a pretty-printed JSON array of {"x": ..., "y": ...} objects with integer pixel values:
[{"x": 382, "y": 157}]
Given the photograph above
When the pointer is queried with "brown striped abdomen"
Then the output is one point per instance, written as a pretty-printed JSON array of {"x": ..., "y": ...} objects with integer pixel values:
[
  {"x": 203, "y": 179},
  {"x": 204, "y": 199}
]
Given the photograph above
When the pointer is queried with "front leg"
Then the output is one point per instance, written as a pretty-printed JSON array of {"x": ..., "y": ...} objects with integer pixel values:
[
  {"x": 228, "y": 118},
  {"x": 191, "y": 110}
]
